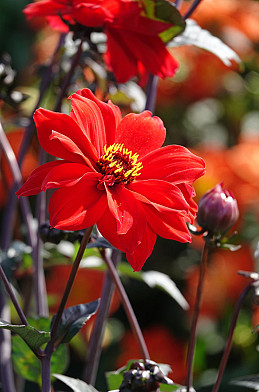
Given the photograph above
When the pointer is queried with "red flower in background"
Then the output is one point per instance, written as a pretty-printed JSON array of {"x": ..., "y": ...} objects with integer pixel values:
[
  {"x": 163, "y": 347},
  {"x": 133, "y": 42},
  {"x": 114, "y": 173}
]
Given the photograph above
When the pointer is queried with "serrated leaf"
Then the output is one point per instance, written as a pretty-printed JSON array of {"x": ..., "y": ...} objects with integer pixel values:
[
  {"x": 195, "y": 35},
  {"x": 163, "y": 281},
  {"x": 75, "y": 384},
  {"x": 28, "y": 365},
  {"x": 32, "y": 337},
  {"x": 73, "y": 319},
  {"x": 165, "y": 11},
  {"x": 251, "y": 381}
]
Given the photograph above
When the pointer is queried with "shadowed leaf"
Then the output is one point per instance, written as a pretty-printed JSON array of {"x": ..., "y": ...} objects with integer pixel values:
[
  {"x": 73, "y": 319},
  {"x": 32, "y": 337}
]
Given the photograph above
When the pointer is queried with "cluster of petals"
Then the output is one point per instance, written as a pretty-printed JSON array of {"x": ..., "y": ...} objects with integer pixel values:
[
  {"x": 133, "y": 41},
  {"x": 113, "y": 172}
]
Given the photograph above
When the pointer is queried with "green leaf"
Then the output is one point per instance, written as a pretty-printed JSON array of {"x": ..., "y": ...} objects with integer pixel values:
[
  {"x": 73, "y": 319},
  {"x": 32, "y": 337},
  {"x": 195, "y": 35},
  {"x": 165, "y": 11},
  {"x": 75, "y": 384},
  {"x": 28, "y": 365}
]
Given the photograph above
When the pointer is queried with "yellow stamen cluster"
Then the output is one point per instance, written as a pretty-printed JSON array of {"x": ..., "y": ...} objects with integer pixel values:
[{"x": 119, "y": 162}]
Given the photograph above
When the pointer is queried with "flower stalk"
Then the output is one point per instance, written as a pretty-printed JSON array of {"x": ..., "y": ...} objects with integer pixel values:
[
  {"x": 228, "y": 345},
  {"x": 151, "y": 93},
  {"x": 191, "y": 348},
  {"x": 192, "y": 9},
  {"x": 127, "y": 306},
  {"x": 95, "y": 344},
  {"x": 46, "y": 357}
]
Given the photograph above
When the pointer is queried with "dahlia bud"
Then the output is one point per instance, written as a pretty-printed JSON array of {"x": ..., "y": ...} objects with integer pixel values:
[{"x": 217, "y": 210}]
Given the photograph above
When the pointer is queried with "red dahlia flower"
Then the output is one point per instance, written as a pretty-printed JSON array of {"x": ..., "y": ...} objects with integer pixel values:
[
  {"x": 114, "y": 173},
  {"x": 133, "y": 41}
]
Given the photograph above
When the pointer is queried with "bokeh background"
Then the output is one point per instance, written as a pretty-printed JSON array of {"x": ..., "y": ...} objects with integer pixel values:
[{"x": 210, "y": 108}]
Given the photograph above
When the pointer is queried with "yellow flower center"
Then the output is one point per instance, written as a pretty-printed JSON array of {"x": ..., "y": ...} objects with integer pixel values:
[{"x": 120, "y": 163}]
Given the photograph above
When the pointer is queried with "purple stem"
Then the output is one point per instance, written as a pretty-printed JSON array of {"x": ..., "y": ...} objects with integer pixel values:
[
  {"x": 151, "y": 92},
  {"x": 127, "y": 306},
  {"x": 6, "y": 368},
  {"x": 74, "y": 64},
  {"x": 191, "y": 9},
  {"x": 43, "y": 87},
  {"x": 7, "y": 228},
  {"x": 45, "y": 361},
  {"x": 230, "y": 336},
  {"x": 12, "y": 296},
  {"x": 95, "y": 344},
  {"x": 196, "y": 312},
  {"x": 10, "y": 210},
  {"x": 39, "y": 277}
]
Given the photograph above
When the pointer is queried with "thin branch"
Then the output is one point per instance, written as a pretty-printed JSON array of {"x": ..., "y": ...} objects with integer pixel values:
[
  {"x": 95, "y": 344},
  {"x": 195, "y": 317},
  {"x": 127, "y": 306},
  {"x": 151, "y": 92},
  {"x": 230, "y": 336},
  {"x": 6, "y": 234},
  {"x": 12, "y": 296},
  {"x": 69, "y": 285},
  {"x": 191, "y": 9}
]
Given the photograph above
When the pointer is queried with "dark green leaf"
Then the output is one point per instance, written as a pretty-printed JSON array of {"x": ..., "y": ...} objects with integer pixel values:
[
  {"x": 75, "y": 384},
  {"x": 195, "y": 35},
  {"x": 32, "y": 337},
  {"x": 165, "y": 11},
  {"x": 73, "y": 319}
]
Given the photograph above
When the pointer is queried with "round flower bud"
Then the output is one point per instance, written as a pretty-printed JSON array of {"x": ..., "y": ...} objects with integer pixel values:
[{"x": 217, "y": 210}]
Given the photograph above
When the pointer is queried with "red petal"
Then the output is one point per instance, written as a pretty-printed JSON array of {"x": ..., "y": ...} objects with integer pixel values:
[
  {"x": 143, "y": 250},
  {"x": 79, "y": 206},
  {"x": 162, "y": 195},
  {"x": 73, "y": 144},
  {"x": 118, "y": 58},
  {"x": 33, "y": 185},
  {"x": 127, "y": 242},
  {"x": 67, "y": 174},
  {"x": 89, "y": 118},
  {"x": 126, "y": 48},
  {"x": 91, "y": 15},
  {"x": 123, "y": 206},
  {"x": 165, "y": 207},
  {"x": 110, "y": 113},
  {"x": 168, "y": 225},
  {"x": 141, "y": 133},
  {"x": 188, "y": 193},
  {"x": 172, "y": 163},
  {"x": 45, "y": 8}
]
